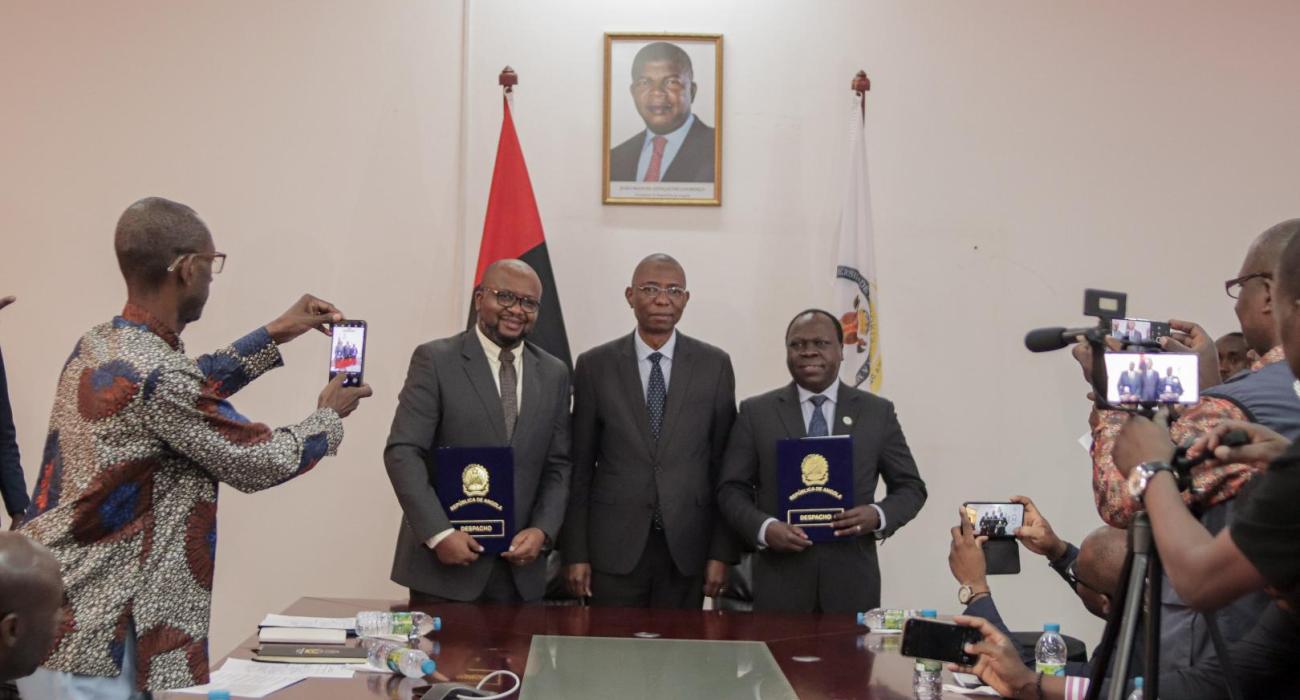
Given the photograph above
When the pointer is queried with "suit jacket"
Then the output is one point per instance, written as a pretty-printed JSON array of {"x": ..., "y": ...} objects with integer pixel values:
[
  {"x": 451, "y": 400},
  {"x": 615, "y": 458},
  {"x": 13, "y": 488},
  {"x": 748, "y": 493},
  {"x": 693, "y": 163},
  {"x": 1150, "y": 385}
]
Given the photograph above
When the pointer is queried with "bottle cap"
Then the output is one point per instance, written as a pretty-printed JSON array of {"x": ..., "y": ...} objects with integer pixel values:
[
  {"x": 1052, "y": 627},
  {"x": 929, "y": 613},
  {"x": 437, "y": 624},
  {"x": 862, "y": 618},
  {"x": 218, "y": 695},
  {"x": 428, "y": 667},
  {"x": 1137, "y": 682}
]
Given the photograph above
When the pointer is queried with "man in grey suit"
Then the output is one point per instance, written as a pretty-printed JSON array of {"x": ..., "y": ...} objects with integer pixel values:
[
  {"x": 792, "y": 574},
  {"x": 482, "y": 388},
  {"x": 652, "y": 411}
]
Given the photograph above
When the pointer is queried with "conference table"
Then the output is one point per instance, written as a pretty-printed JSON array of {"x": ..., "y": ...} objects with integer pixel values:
[{"x": 626, "y": 654}]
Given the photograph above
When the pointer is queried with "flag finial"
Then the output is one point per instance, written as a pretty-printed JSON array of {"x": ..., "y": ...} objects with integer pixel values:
[
  {"x": 861, "y": 83},
  {"x": 508, "y": 79}
]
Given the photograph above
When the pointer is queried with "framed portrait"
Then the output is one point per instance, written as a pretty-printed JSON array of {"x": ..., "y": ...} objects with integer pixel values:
[{"x": 663, "y": 119}]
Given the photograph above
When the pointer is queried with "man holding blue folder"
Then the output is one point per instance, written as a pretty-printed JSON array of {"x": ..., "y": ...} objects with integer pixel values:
[{"x": 791, "y": 572}]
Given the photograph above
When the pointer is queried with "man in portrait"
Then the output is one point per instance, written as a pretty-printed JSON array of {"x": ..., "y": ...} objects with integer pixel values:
[{"x": 675, "y": 145}]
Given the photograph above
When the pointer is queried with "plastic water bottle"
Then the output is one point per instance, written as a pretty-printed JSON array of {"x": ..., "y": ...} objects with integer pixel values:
[
  {"x": 1137, "y": 689},
  {"x": 411, "y": 625},
  {"x": 885, "y": 619},
  {"x": 225, "y": 694},
  {"x": 1049, "y": 652},
  {"x": 927, "y": 679},
  {"x": 398, "y": 658}
]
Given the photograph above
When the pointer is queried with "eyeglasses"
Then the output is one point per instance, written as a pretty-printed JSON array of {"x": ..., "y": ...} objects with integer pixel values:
[
  {"x": 652, "y": 291},
  {"x": 507, "y": 299},
  {"x": 218, "y": 261},
  {"x": 1073, "y": 577},
  {"x": 1233, "y": 286}
]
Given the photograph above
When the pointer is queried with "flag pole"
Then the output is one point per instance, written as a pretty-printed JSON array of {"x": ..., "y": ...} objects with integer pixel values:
[{"x": 861, "y": 84}]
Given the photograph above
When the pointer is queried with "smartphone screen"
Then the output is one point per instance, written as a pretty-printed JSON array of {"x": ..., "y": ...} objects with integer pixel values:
[
  {"x": 348, "y": 352},
  {"x": 939, "y": 641},
  {"x": 994, "y": 519},
  {"x": 1166, "y": 377},
  {"x": 1138, "y": 330}
]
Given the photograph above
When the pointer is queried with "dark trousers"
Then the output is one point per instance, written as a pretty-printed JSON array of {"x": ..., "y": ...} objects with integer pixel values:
[
  {"x": 500, "y": 588},
  {"x": 655, "y": 582}
]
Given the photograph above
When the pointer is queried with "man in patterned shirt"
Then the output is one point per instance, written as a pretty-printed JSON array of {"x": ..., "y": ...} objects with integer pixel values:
[
  {"x": 139, "y": 437},
  {"x": 1263, "y": 395}
]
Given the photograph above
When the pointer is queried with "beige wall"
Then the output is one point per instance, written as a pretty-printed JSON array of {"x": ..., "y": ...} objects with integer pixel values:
[{"x": 1019, "y": 152}]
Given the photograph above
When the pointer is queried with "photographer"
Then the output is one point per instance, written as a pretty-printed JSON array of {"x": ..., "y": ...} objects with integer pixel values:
[
  {"x": 1092, "y": 570},
  {"x": 1264, "y": 395}
]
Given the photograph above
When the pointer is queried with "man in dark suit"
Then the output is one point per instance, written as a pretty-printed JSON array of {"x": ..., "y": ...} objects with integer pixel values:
[
  {"x": 484, "y": 387},
  {"x": 1171, "y": 387},
  {"x": 652, "y": 411},
  {"x": 675, "y": 145},
  {"x": 790, "y": 572},
  {"x": 1150, "y": 383},
  {"x": 13, "y": 488}
]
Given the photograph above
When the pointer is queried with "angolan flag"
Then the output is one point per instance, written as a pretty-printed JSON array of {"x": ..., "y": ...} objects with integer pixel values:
[{"x": 513, "y": 229}]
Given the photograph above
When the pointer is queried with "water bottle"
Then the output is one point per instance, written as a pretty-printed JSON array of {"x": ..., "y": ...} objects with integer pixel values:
[
  {"x": 397, "y": 658},
  {"x": 225, "y": 694},
  {"x": 1137, "y": 689},
  {"x": 1049, "y": 652},
  {"x": 884, "y": 619},
  {"x": 927, "y": 679},
  {"x": 411, "y": 625}
]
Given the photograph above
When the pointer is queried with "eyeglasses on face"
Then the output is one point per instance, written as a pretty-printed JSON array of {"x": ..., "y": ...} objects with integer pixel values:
[
  {"x": 218, "y": 261},
  {"x": 507, "y": 299},
  {"x": 652, "y": 291},
  {"x": 1234, "y": 286}
]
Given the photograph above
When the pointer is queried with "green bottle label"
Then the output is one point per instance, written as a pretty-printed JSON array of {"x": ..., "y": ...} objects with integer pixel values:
[
  {"x": 1050, "y": 669},
  {"x": 402, "y": 623},
  {"x": 929, "y": 666},
  {"x": 893, "y": 620}
]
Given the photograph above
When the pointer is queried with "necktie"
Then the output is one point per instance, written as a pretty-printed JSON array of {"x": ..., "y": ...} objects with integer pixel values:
[
  {"x": 656, "y": 396},
  {"x": 509, "y": 404},
  {"x": 656, "y": 159},
  {"x": 817, "y": 426}
]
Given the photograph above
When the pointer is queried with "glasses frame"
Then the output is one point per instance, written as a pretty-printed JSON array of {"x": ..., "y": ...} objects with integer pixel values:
[
  {"x": 652, "y": 291},
  {"x": 523, "y": 301},
  {"x": 1238, "y": 283},
  {"x": 218, "y": 261}
]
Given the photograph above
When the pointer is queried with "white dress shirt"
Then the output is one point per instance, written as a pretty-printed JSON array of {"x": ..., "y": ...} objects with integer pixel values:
[
  {"x": 675, "y": 140},
  {"x": 645, "y": 366},
  {"x": 807, "y": 407}
]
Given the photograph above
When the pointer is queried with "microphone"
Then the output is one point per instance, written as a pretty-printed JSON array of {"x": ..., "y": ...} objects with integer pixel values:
[{"x": 1055, "y": 338}]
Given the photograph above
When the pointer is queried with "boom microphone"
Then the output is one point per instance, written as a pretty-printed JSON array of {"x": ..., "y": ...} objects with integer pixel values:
[{"x": 1055, "y": 338}]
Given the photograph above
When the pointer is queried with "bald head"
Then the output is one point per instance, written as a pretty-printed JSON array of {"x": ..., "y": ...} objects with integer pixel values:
[
  {"x": 508, "y": 301},
  {"x": 656, "y": 261},
  {"x": 151, "y": 234},
  {"x": 510, "y": 268},
  {"x": 1266, "y": 250},
  {"x": 31, "y": 592},
  {"x": 1288, "y": 260},
  {"x": 1101, "y": 558}
]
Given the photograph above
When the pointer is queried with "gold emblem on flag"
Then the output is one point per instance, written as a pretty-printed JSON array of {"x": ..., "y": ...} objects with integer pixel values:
[
  {"x": 816, "y": 470},
  {"x": 475, "y": 480}
]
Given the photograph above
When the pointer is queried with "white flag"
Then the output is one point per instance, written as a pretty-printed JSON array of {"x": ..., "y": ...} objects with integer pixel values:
[{"x": 855, "y": 267}]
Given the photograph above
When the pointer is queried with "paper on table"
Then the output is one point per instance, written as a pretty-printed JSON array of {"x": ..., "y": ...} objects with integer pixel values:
[
  {"x": 325, "y": 623},
  {"x": 301, "y": 670},
  {"x": 981, "y": 690},
  {"x": 243, "y": 682}
]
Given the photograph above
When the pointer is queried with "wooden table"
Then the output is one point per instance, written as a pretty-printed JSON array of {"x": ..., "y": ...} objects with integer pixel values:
[{"x": 476, "y": 639}]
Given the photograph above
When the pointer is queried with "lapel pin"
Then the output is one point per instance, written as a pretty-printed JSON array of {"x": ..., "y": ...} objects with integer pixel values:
[{"x": 848, "y": 420}]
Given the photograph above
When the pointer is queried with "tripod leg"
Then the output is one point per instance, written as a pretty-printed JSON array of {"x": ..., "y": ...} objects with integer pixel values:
[
  {"x": 1225, "y": 661},
  {"x": 1128, "y": 630},
  {"x": 1105, "y": 648},
  {"x": 1155, "y": 580}
]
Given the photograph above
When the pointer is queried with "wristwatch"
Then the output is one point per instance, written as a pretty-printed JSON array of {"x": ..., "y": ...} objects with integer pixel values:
[
  {"x": 966, "y": 594},
  {"x": 1142, "y": 475}
]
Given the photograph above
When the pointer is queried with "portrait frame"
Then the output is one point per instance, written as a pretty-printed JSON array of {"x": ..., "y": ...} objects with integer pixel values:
[{"x": 625, "y": 130}]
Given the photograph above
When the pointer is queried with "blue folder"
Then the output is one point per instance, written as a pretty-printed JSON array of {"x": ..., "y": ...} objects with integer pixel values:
[
  {"x": 814, "y": 482},
  {"x": 476, "y": 486}
]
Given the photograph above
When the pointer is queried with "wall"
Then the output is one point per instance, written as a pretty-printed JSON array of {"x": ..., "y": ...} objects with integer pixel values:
[{"x": 1019, "y": 153}]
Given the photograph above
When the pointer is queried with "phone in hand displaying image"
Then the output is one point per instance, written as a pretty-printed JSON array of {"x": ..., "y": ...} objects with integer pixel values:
[
  {"x": 994, "y": 519},
  {"x": 1135, "y": 378},
  {"x": 348, "y": 352},
  {"x": 1138, "y": 330},
  {"x": 940, "y": 641}
]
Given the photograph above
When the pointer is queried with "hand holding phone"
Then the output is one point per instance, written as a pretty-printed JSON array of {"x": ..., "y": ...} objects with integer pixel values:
[{"x": 925, "y": 638}]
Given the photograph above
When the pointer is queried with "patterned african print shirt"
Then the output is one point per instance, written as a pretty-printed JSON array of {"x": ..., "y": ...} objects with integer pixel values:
[
  {"x": 127, "y": 493},
  {"x": 1211, "y": 485}
]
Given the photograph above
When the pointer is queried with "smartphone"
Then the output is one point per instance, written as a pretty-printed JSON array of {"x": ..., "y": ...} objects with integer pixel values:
[
  {"x": 1136, "y": 378},
  {"x": 1138, "y": 330},
  {"x": 348, "y": 352},
  {"x": 994, "y": 519},
  {"x": 939, "y": 641}
]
